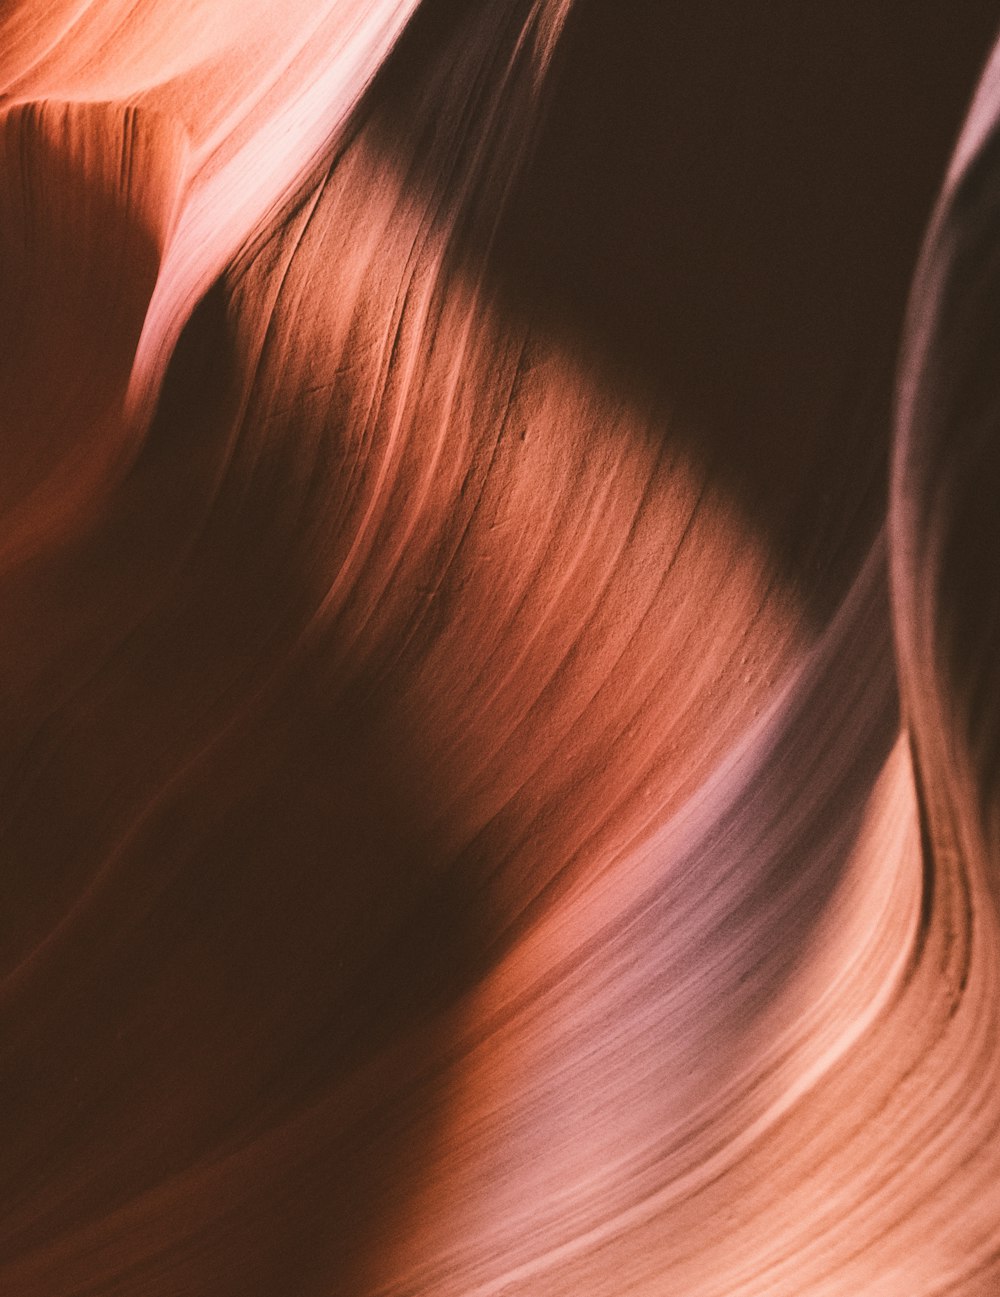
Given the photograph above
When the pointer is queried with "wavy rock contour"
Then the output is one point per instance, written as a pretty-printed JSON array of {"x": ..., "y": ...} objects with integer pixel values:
[{"x": 499, "y": 733}]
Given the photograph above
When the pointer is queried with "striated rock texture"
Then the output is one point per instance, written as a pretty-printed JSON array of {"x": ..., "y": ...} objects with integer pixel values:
[{"x": 499, "y": 649}]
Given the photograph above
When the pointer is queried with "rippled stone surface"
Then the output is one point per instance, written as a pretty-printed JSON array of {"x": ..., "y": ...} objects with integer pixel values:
[{"x": 500, "y": 727}]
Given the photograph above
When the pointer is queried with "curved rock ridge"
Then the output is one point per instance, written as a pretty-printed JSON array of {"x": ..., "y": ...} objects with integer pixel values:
[{"x": 498, "y": 715}]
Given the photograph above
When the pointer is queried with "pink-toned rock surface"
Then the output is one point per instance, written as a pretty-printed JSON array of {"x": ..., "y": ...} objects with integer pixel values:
[{"x": 499, "y": 724}]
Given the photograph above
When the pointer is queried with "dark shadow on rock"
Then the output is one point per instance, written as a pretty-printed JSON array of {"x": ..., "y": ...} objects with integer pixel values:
[{"x": 723, "y": 212}]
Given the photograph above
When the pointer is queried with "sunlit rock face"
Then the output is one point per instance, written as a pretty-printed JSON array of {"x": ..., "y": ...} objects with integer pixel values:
[{"x": 498, "y": 653}]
